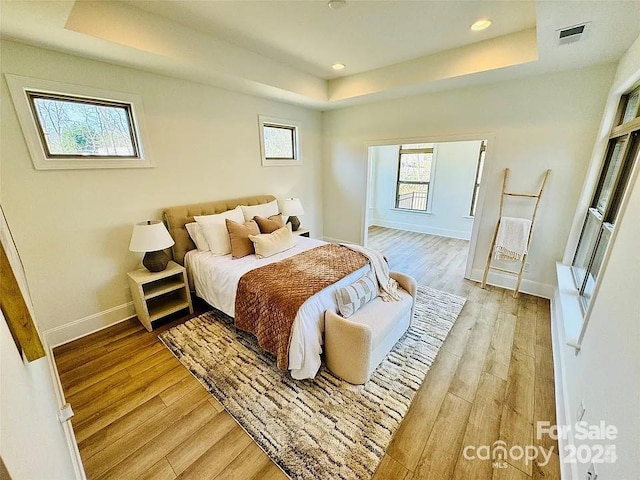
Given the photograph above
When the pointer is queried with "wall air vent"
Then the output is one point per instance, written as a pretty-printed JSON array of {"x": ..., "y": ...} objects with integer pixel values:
[{"x": 572, "y": 34}]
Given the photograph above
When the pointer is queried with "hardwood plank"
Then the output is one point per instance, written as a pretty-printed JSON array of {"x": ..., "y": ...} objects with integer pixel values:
[
  {"x": 516, "y": 425},
  {"x": 129, "y": 386},
  {"x": 509, "y": 473},
  {"x": 95, "y": 339},
  {"x": 549, "y": 471},
  {"x": 412, "y": 435},
  {"x": 160, "y": 471},
  {"x": 143, "y": 366},
  {"x": 148, "y": 455},
  {"x": 109, "y": 434},
  {"x": 246, "y": 465},
  {"x": 96, "y": 420},
  {"x": 438, "y": 460},
  {"x": 389, "y": 469},
  {"x": 271, "y": 472},
  {"x": 483, "y": 428},
  {"x": 98, "y": 390},
  {"x": 216, "y": 459},
  {"x": 116, "y": 451},
  {"x": 185, "y": 454},
  {"x": 499, "y": 354},
  {"x": 179, "y": 390},
  {"x": 525, "y": 335},
  {"x": 465, "y": 381}
]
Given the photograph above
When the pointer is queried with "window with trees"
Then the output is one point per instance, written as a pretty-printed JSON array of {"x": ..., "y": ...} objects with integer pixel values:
[
  {"x": 279, "y": 141},
  {"x": 415, "y": 165},
  {"x": 621, "y": 154},
  {"x": 83, "y": 127},
  {"x": 75, "y": 127}
]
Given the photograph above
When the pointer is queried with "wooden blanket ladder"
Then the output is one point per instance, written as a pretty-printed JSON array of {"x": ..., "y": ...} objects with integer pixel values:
[{"x": 505, "y": 194}]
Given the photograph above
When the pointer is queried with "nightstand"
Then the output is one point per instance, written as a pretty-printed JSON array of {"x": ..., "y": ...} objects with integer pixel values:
[
  {"x": 158, "y": 294},
  {"x": 303, "y": 232}
]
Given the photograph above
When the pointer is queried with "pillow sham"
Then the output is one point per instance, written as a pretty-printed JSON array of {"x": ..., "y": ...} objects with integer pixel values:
[
  {"x": 263, "y": 210},
  {"x": 271, "y": 224},
  {"x": 355, "y": 296},
  {"x": 214, "y": 229},
  {"x": 268, "y": 244},
  {"x": 241, "y": 245},
  {"x": 193, "y": 229}
]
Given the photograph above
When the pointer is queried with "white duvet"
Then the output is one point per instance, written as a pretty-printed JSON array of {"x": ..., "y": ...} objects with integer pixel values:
[{"x": 216, "y": 281}]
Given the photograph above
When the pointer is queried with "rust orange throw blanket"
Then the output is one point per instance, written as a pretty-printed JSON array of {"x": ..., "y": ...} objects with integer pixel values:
[{"x": 269, "y": 297}]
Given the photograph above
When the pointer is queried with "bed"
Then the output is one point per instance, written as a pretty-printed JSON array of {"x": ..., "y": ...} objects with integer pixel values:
[{"x": 215, "y": 279}]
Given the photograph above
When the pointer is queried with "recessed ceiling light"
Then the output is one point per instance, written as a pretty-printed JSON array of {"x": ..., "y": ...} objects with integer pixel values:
[
  {"x": 338, "y": 66},
  {"x": 481, "y": 24},
  {"x": 336, "y": 4}
]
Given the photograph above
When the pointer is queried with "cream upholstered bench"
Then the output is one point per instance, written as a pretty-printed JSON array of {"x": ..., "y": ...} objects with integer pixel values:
[{"x": 355, "y": 346}]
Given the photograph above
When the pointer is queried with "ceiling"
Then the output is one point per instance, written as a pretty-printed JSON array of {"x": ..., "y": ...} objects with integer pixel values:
[{"x": 284, "y": 49}]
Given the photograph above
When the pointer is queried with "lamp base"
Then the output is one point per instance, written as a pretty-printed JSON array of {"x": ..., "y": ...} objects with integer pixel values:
[
  {"x": 155, "y": 261},
  {"x": 295, "y": 222}
]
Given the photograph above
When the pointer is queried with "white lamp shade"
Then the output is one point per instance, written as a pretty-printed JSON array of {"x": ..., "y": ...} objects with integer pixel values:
[
  {"x": 292, "y": 207},
  {"x": 150, "y": 236}
]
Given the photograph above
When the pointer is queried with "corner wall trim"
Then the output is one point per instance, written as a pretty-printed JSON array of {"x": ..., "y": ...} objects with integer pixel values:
[
  {"x": 537, "y": 289},
  {"x": 82, "y": 327}
]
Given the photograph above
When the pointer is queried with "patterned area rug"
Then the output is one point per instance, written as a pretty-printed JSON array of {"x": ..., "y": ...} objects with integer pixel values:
[{"x": 320, "y": 428}]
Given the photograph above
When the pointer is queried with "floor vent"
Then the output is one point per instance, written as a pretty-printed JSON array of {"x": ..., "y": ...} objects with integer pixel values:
[{"x": 572, "y": 34}]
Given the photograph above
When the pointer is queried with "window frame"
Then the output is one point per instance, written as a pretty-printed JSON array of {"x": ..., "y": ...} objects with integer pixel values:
[
  {"x": 410, "y": 151},
  {"x": 274, "y": 122},
  {"x": 24, "y": 89},
  {"x": 476, "y": 184},
  {"x": 629, "y": 133}
]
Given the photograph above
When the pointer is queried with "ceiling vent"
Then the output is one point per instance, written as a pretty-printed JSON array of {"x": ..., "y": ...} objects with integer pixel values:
[{"x": 572, "y": 34}]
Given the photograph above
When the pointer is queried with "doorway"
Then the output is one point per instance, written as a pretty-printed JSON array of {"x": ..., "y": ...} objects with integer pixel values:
[{"x": 423, "y": 199}]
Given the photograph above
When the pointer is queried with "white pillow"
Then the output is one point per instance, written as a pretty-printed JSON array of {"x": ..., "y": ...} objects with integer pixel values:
[
  {"x": 214, "y": 229},
  {"x": 196, "y": 235},
  {"x": 264, "y": 210},
  {"x": 268, "y": 244}
]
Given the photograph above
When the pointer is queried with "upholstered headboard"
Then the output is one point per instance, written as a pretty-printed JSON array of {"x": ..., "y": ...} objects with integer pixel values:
[{"x": 177, "y": 217}]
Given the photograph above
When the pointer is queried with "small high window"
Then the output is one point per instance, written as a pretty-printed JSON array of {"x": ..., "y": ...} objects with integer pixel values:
[
  {"x": 83, "y": 127},
  {"x": 279, "y": 142},
  {"x": 75, "y": 127}
]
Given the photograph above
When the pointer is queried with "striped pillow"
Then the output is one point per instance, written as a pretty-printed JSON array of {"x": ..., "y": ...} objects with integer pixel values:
[{"x": 355, "y": 296}]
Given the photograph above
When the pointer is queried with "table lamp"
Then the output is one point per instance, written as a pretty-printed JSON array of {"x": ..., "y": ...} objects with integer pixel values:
[
  {"x": 151, "y": 237},
  {"x": 292, "y": 207}
]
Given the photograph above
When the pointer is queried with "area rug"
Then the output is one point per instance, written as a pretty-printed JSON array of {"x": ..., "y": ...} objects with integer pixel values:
[{"x": 320, "y": 428}]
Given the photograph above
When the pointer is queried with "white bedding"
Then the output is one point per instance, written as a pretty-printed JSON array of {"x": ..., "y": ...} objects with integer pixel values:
[{"x": 216, "y": 281}]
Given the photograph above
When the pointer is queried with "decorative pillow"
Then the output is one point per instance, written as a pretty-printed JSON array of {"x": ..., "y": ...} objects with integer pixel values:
[
  {"x": 214, "y": 229},
  {"x": 271, "y": 224},
  {"x": 268, "y": 244},
  {"x": 263, "y": 210},
  {"x": 241, "y": 246},
  {"x": 196, "y": 235},
  {"x": 357, "y": 295}
]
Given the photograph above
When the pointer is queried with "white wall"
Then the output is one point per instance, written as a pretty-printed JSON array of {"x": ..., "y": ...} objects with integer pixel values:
[
  {"x": 73, "y": 227},
  {"x": 540, "y": 122},
  {"x": 605, "y": 372},
  {"x": 33, "y": 442},
  {"x": 451, "y": 184}
]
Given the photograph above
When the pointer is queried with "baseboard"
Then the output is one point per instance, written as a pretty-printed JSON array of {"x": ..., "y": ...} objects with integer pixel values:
[
  {"x": 411, "y": 227},
  {"x": 537, "y": 289},
  {"x": 84, "y": 326},
  {"x": 335, "y": 240},
  {"x": 568, "y": 471},
  {"x": 69, "y": 434}
]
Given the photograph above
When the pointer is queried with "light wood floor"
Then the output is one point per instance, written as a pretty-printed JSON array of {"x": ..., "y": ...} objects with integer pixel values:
[{"x": 140, "y": 414}]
